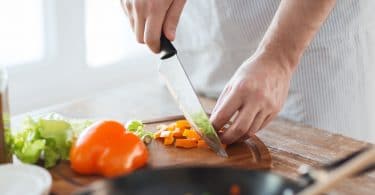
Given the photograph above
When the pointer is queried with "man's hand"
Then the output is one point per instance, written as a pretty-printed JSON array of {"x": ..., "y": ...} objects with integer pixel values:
[
  {"x": 257, "y": 92},
  {"x": 149, "y": 18},
  {"x": 259, "y": 88}
]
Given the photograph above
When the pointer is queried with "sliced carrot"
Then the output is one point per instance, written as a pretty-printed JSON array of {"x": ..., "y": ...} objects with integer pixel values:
[
  {"x": 191, "y": 134},
  {"x": 181, "y": 134},
  {"x": 169, "y": 140},
  {"x": 182, "y": 124},
  {"x": 202, "y": 144},
  {"x": 186, "y": 143},
  {"x": 171, "y": 126},
  {"x": 178, "y": 133}
]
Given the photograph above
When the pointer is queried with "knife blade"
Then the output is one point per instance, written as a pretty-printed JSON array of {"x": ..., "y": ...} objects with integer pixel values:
[{"x": 179, "y": 85}]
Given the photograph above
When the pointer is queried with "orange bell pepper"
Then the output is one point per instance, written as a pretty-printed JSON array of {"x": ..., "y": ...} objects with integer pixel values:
[{"x": 105, "y": 148}]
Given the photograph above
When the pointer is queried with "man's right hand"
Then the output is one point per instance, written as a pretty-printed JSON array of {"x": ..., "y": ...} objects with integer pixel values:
[{"x": 149, "y": 18}]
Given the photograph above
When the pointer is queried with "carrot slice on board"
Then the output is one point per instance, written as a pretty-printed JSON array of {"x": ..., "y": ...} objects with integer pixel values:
[
  {"x": 191, "y": 134},
  {"x": 182, "y": 124},
  {"x": 186, "y": 143},
  {"x": 178, "y": 133},
  {"x": 169, "y": 140},
  {"x": 171, "y": 126}
]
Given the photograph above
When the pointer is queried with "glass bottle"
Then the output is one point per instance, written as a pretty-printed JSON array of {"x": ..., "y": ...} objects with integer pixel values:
[{"x": 5, "y": 138}]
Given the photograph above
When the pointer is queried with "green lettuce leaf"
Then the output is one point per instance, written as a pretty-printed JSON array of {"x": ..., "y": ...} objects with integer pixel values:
[{"x": 47, "y": 138}]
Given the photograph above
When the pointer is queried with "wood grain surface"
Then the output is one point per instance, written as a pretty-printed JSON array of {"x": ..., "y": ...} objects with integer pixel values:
[{"x": 290, "y": 144}]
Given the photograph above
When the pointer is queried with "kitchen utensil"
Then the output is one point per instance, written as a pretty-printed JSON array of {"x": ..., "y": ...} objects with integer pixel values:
[
  {"x": 183, "y": 92},
  {"x": 205, "y": 180}
]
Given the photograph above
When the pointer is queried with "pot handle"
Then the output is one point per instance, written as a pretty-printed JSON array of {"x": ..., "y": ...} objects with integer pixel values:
[
  {"x": 319, "y": 180},
  {"x": 340, "y": 162}
]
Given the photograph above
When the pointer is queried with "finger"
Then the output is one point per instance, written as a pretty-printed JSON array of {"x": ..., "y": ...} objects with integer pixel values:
[
  {"x": 221, "y": 97},
  {"x": 172, "y": 18},
  {"x": 267, "y": 121},
  {"x": 240, "y": 127},
  {"x": 257, "y": 122},
  {"x": 126, "y": 6},
  {"x": 131, "y": 21},
  {"x": 139, "y": 28},
  {"x": 153, "y": 27},
  {"x": 128, "y": 10},
  {"x": 225, "y": 111}
]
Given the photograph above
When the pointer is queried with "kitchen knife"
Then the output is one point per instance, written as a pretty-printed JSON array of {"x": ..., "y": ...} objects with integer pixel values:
[{"x": 180, "y": 87}]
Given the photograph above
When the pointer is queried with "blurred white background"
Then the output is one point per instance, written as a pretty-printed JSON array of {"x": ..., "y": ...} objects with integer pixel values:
[{"x": 56, "y": 51}]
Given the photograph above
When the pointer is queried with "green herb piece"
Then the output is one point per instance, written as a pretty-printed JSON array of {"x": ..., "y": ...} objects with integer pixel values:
[{"x": 137, "y": 127}]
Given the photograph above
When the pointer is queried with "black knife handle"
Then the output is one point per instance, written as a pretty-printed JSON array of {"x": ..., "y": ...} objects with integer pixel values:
[{"x": 166, "y": 48}]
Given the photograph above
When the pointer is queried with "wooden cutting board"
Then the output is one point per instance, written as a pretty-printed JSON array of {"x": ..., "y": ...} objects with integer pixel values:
[{"x": 251, "y": 154}]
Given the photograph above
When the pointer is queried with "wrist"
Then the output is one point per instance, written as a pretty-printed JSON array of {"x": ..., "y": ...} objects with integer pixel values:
[{"x": 286, "y": 55}]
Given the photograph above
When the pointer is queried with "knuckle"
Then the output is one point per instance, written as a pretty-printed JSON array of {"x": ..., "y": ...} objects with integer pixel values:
[
  {"x": 243, "y": 87},
  {"x": 241, "y": 130},
  {"x": 274, "y": 107},
  {"x": 220, "y": 116},
  {"x": 269, "y": 105},
  {"x": 260, "y": 94}
]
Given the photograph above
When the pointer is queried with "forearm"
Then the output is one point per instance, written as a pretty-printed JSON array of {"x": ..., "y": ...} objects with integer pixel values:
[{"x": 292, "y": 29}]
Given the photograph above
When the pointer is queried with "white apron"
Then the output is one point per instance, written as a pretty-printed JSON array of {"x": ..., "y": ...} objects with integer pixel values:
[{"x": 333, "y": 87}]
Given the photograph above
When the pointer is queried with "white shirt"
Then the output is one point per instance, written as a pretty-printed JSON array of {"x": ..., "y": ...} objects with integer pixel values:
[{"x": 333, "y": 87}]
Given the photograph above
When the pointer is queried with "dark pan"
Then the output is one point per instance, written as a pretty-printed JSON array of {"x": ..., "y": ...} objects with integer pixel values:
[
  {"x": 195, "y": 181},
  {"x": 206, "y": 181}
]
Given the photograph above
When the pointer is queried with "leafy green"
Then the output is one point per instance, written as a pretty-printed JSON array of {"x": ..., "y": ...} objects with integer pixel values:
[
  {"x": 48, "y": 138},
  {"x": 137, "y": 127}
]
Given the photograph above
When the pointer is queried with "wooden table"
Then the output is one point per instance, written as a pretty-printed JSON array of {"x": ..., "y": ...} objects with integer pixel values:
[{"x": 291, "y": 144}]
